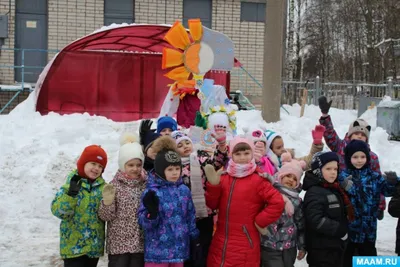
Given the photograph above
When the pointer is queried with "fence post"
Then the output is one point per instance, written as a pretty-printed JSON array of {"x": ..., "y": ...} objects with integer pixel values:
[
  {"x": 317, "y": 91},
  {"x": 390, "y": 88}
]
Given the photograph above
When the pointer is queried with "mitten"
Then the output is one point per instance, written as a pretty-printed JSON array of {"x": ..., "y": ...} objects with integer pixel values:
[
  {"x": 195, "y": 251},
  {"x": 288, "y": 206},
  {"x": 324, "y": 105},
  {"x": 74, "y": 185},
  {"x": 347, "y": 183},
  {"x": 151, "y": 202},
  {"x": 144, "y": 128},
  {"x": 213, "y": 177},
  {"x": 391, "y": 178},
  {"x": 317, "y": 134},
  {"x": 220, "y": 134},
  {"x": 108, "y": 194}
]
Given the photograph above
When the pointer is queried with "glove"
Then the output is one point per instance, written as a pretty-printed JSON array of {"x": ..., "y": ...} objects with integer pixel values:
[
  {"x": 74, "y": 185},
  {"x": 108, "y": 194},
  {"x": 213, "y": 177},
  {"x": 220, "y": 134},
  {"x": 151, "y": 202},
  {"x": 347, "y": 183},
  {"x": 196, "y": 251},
  {"x": 381, "y": 214},
  {"x": 288, "y": 206},
  {"x": 324, "y": 105},
  {"x": 144, "y": 128},
  {"x": 317, "y": 134},
  {"x": 391, "y": 177}
]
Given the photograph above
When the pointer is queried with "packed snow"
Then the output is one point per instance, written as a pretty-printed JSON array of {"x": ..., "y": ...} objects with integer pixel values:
[{"x": 37, "y": 152}]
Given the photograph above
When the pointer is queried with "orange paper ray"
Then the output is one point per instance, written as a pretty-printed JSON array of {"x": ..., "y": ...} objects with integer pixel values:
[
  {"x": 191, "y": 58},
  {"x": 178, "y": 74},
  {"x": 171, "y": 58},
  {"x": 177, "y": 36},
  {"x": 196, "y": 30}
]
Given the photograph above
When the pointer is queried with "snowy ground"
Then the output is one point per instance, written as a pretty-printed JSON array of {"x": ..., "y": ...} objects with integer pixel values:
[{"x": 36, "y": 152}]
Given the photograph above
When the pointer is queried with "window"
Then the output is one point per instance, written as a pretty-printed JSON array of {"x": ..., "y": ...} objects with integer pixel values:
[
  {"x": 197, "y": 9},
  {"x": 252, "y": 12},
  {"x": 118, "y": 11}
]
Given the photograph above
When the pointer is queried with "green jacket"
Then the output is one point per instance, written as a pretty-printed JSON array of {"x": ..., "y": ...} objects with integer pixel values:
[{"x": 81, "y": 230}]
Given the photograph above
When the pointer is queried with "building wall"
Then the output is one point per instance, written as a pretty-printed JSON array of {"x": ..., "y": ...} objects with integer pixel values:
[
  {"x": 7, "y": 57},
  {"x": 69, "y": 20},
  {"x": 72, "y": 19}
]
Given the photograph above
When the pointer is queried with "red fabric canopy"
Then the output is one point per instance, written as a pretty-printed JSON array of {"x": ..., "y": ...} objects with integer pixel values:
[{"x": 114, "y": 73}]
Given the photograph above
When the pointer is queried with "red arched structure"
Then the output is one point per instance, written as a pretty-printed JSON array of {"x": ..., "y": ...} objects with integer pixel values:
[{"x": 114, "y": 73}]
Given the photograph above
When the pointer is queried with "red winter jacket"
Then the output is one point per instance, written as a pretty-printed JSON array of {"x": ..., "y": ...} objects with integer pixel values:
[{"x": 241, "y": 202}]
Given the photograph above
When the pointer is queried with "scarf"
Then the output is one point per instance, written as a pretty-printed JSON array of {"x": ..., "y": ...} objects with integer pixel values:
[
  {"x": 347, "y": 202},
  {"x": 241, "y": 170}
]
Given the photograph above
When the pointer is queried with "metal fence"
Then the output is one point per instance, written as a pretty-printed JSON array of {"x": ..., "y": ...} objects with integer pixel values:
[
  {"x": 343, "y": 95},
  {"x": 11, "y": 95}
]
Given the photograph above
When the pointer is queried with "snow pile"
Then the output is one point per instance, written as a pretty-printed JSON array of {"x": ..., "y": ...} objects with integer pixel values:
[{"x": 37, "y": 152}]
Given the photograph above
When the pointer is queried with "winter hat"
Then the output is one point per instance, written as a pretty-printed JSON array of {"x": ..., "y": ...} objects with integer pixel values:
[
  {"x": 166, "y": 122},
  {"x": 93, "y": 153},
  {"x": 237, "y": 140},
  {"x": 179, "y": 136},
  {"x": 270, "y": 136},
  {"x": 359, "y": 125},
  {"x": 165, "y": 147},
  {"x": 291, "y": 168},
  {"x": 149, "y": 138},
  {"x": 320, "y": 159},
  {"x": 130, "y": 149},
  {"x": 256, "y": 135},
  {"x": 353, "y": 147}
]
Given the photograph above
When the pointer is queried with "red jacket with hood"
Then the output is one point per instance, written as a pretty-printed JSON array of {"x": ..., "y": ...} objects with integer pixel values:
[{"x": 241, "y": 202}]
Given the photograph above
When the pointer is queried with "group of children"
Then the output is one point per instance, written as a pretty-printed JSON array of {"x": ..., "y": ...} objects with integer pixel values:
[{"x": 252, "y": 185}]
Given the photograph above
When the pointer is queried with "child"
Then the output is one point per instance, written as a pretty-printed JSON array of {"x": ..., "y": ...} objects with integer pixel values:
[
  {"x": 359, "y": 130},
  {"x": 277, "y": 147},
  {"x": 245, "y": 202},
  {"x": 194, "y": 170},
  {"x": 77, "y": 204},
  {"x": 166, "y": 125},
  {"x": 260, "y": 151},
  {"x": 285, "y": 236},
  {"x": 121, "y": 200},
  {"x": 325, "y": 207},
  {"x": 364, "y": 187},
  {"x": 167, "y": 213},
  {"x": 394, "y": 210}
]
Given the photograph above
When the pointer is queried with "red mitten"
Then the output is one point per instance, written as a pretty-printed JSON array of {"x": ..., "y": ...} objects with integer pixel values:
[
  {"x": 317, "y": 134},
  {"x": 220, "y": 134}
]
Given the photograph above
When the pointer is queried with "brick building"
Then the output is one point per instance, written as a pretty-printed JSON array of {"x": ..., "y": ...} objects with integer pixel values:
[{"x": 52, "y": 24}]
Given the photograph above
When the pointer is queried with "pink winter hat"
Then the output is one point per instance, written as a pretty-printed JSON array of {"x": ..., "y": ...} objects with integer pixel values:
[
  {"x": 290, "y": 168},
  {"x": 237, "y": 140}
]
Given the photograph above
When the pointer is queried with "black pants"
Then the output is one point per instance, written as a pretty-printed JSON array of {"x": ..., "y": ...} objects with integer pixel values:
[
  {"x": 206, "y": 228},
  {"x": 363, "y": 249},
  {"x": 277, "y": 258},
  {"x": 328, "y": 257},
  {"x": 126, "y": 260},
  {"x": 82, "y": 261}
]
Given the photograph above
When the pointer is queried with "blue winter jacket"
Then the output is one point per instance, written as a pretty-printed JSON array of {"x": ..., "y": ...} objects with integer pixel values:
[
  {"x": 365, "y": 197},
  {"x": 167, "y": 238}
]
